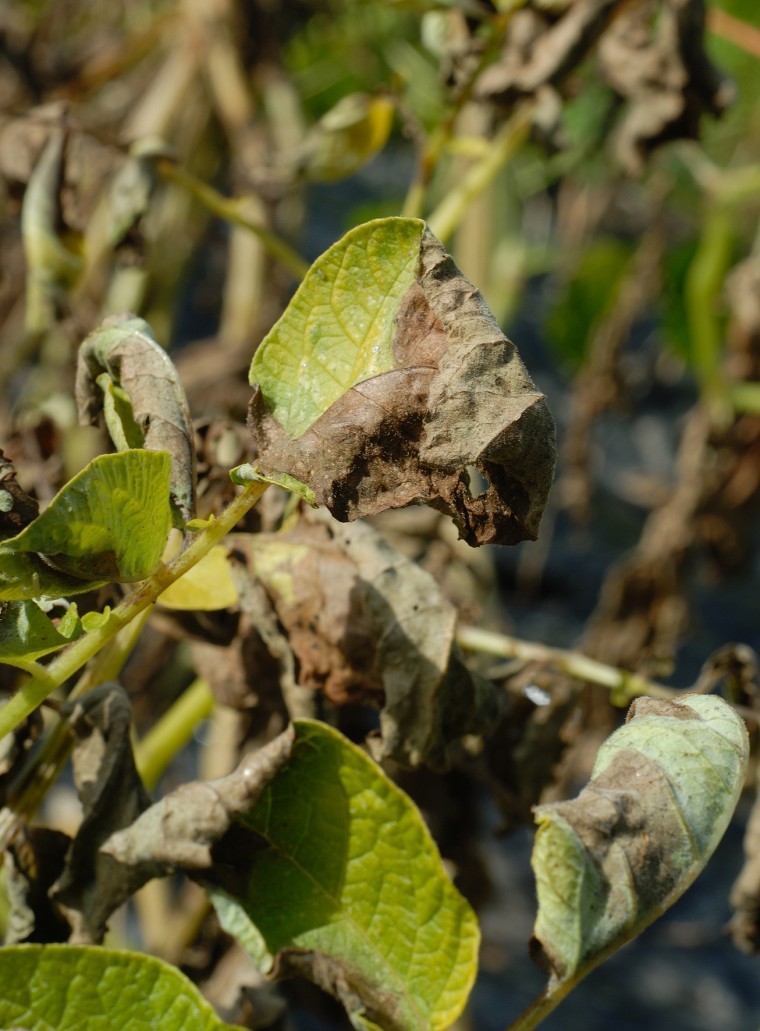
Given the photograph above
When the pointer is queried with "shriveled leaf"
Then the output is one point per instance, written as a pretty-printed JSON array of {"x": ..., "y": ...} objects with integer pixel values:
[
  {"x": 110, "y": 522},
  {"x": 67, "y": 986},
  {"x": 17, "y": 508},
  {"x": 123, "y": 373},
  {"x": 26, "y": 633},
  {"x": 33, "y": 862},
  {"x": 661, "y": 68},
  {"x": 181, "y": 829},
  {"x": 663, "y": 790},
  {"x": 205, "y": 586},
  {"x": 92, "y": 884},
  {"x": 347, "y": 888},
  {"x": 368, "y": 625},
  {"x": 387, "y": 377}
]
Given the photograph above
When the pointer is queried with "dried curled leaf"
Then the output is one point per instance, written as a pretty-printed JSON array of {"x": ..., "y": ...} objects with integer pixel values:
[
  {"x": 92, "y": 884},
  {"x": 387, "y": 377},
  {"x": 123, "y": 373},
  {"x": 659, "y": 65},
  {"x": 608, "y": 863},
  {"x": 368, "y": 625}
]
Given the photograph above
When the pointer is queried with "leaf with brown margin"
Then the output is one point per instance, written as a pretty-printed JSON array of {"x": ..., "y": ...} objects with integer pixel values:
[
  {"x": 368, "y": 625},
  {"x": 662, "y": 792},
  {"x": 125, "y": 375},
  {"x": 399, "y": 422}
]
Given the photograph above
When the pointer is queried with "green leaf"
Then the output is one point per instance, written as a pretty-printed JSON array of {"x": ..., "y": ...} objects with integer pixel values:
[
  {"x": 663, "y": 790},
  {"x": 26, "y": 633},
  {"x": 348, "y": 889},
  {"x": 111, "y": 521},
  {"x": 338, "y": 329},
  {"x": 69, "y": 987},
  {"x": 24, "y": 575}
]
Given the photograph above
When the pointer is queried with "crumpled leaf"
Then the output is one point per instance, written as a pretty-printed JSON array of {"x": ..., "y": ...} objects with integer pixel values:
[
  {"x": 654, "y": 56},
  {"x": 109, "y": 522},
  {"x": 26, "y": 633},
  {"x": 67, "y": 986},
  {"x": 32, "y": 864},
  {"x": 182, "y": 829},
  {"x": 206, "y": 586},
  {"x": 387, "y": 377},
  {"x": 662, "y": 792},
  {"x": 125, "y": 375},
  {"x": 346, "y": 888},
  {"x": 540, "y": 51},
  {"x": 367, "y": 624},
  {"x": 17, "y": 508},
  {"x": 92, "y": 884}
]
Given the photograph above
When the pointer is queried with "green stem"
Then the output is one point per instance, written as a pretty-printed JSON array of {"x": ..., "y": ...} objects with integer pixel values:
[
  {"x": 71, "y": 660},
  {"x": 623, "y": 685},
  {"x": 441, "y": 137},
  {"x": 452, "y": 209},
  {"x": 703, "y": 287},
  {"x": 172, "y": 732},
  {"x": 230, "y": 209},
  {"x": 745, "y": 398},
  {"x": 541, "y": 1007}
]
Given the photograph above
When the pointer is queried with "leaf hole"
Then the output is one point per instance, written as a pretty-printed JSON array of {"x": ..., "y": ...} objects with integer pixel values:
[{"x": 477, "y": 484}]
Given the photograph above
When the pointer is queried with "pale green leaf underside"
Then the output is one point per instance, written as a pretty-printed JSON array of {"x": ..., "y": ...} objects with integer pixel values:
[
  {"x": 352, "y": 873},
  {"x": 23, "y": 574},
  {"x": 109, "y": 522},
  {"x": 590, "y": 904},
  {"x": 68, "y": 988},
  {"x": 26, "y": 633},
  {"x": 338, "y": 329}
]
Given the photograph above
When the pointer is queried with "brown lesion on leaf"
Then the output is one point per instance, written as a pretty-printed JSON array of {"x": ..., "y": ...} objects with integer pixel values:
[{"x": 459, "y": 397}]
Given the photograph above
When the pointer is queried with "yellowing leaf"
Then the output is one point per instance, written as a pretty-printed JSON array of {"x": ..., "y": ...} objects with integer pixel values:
[
  {"x": 205, "y": 586},
  {"x": 338, "y": 328}
]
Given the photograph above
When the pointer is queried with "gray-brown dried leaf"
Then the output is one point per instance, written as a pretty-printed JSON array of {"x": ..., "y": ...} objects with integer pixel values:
[
  {"x": 181, "y": 830},
  {"x": 653, "y": 56},
  {"x": 92, "y": 884},
  {"x": 458, "y": 396},
  {"x": 368, "y": 625},
  {"x": 123, "y": 373}
]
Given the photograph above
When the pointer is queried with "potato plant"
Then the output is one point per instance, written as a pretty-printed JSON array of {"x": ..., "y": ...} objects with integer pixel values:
[{"x": 378, "y": 380}]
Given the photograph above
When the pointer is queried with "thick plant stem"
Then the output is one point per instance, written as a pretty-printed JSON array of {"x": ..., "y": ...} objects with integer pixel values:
[
  {"x": 624, "y": 686},
  {"x": 71, "y": 660},
  {"x": 175, "y": 728},
  {"x": 232, "y": 211}
]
